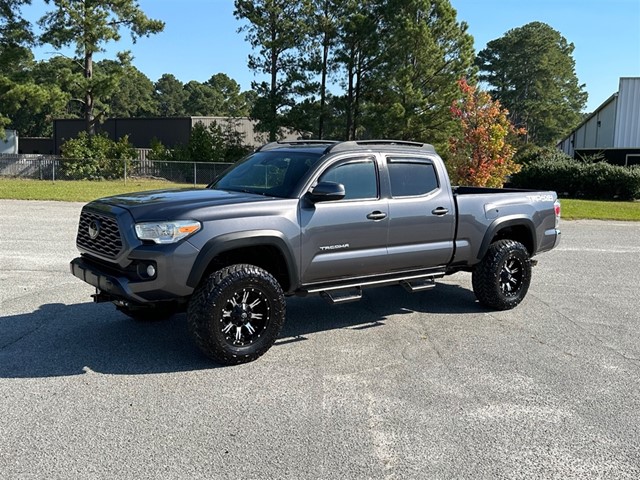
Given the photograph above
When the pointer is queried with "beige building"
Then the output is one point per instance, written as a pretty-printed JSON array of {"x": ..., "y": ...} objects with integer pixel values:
[{"x": 613, "y": 130}]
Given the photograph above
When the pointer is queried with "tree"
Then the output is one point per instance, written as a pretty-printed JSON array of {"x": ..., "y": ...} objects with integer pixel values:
[
  {"x": 206, "y": 144},
  {"x": 15, "y": 34},
  {"x": 219, "y": 96},
  {"x": 359, "y": 52},
  {"x": 481, "y": 154},
  {"x": 276, "y": 29},
  {"x": 26, "y": 104},
  {"x": 171, "y": 96},
  {"x": 319, "y": 61},
  {"x": 428, "y": 50},
  {"x": 96, "y": 157},
  {"x": 201, "y": 99},
  {"x": 89, "y": 25},
  {"x": 31, "y": 102},
  {"x": 134, "y": 95},
  {"x": 531, "y": 71},
  {"x": 231, "y": 103}
]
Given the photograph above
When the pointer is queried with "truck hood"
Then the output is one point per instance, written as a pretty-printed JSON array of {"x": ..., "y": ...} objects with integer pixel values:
[{"x": 175, "y": 204}]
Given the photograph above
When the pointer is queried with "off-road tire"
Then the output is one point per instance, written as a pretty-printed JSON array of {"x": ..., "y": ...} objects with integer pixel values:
[
  {"x": 235, "y": 315},
  {"x": 152, "y": 313},
  {"x": 501, "y": 280}
]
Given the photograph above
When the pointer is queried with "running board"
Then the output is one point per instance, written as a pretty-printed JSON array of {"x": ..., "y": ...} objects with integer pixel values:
[
  {"x": 337, "y": 297},
  {"x": 344, "y": 292},
  {"x": 418, "y": 285}
]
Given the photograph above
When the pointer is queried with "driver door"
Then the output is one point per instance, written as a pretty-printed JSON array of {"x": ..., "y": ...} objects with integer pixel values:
[{"x": 348, "y": 237}]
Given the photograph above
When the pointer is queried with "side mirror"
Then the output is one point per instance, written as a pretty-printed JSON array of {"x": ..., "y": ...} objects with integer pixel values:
[{"x": 326, "y": 192}]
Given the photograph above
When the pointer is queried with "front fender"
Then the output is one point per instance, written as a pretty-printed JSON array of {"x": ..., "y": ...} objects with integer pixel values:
[{"x": 232, "y": 241}]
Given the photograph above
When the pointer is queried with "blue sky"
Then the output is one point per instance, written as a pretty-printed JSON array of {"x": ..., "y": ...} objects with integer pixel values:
[{"x": 201, "y": 39}]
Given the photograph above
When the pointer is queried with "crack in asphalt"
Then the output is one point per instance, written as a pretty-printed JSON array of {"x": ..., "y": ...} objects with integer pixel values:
[{"x": 634, "y": 361}]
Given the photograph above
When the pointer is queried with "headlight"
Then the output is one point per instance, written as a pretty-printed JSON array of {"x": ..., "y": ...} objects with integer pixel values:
[{"x": 167, "y": 232}]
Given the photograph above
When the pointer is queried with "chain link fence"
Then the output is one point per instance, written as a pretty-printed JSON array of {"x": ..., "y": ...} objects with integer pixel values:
[{"x": 48, "y": 167}]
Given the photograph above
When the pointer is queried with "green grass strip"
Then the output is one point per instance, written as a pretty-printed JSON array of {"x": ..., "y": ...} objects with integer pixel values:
[
  {"x": 597, "y": 210},
  {"x": 77, "y": 190}
]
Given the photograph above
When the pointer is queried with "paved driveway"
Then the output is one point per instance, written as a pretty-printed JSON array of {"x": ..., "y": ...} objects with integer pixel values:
[{"x": 399, "y": 385}]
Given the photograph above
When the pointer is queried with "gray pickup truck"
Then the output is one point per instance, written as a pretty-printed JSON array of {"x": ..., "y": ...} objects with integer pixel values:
[{"x": 301, "y": 218}]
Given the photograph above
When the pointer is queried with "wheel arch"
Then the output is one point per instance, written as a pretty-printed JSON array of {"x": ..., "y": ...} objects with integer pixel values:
[
  {"x": 518, "y": 228},
  {"x": 265, "y": 249}
]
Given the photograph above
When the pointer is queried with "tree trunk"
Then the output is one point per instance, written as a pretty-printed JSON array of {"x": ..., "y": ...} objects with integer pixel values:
[
  {"x": 89, "y": 120},
  {"x": 356, "y": 103},
  {"x": 323, "y": 88},
  {"x": 350, "y": 90}
]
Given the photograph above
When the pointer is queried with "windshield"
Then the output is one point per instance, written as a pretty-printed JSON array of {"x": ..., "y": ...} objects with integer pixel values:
[{"x": 272, "y": 173}]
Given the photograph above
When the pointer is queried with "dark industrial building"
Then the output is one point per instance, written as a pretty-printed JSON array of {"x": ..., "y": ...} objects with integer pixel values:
[{"x": 171, "y": 131}]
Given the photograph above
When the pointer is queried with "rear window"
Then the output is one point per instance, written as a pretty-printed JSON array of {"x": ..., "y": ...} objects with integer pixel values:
[{"x": 411, "y": 178}]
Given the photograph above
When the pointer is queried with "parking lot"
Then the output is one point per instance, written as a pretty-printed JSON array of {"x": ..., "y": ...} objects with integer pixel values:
[{"x": 398, "y": 385}]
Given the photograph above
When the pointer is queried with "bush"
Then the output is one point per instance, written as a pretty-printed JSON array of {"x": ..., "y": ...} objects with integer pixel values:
[
  {"x": 96, "y": 157},
  {"x": 530, "y": 153},
  {"x": 550, "y": 170}
]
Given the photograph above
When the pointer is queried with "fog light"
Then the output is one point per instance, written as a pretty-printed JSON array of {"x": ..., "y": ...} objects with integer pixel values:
[{"x": 151, "y": 271}]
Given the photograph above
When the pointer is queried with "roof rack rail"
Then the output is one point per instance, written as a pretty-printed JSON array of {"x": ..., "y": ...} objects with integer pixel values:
[
  {"x": 272, "y": 145},
  {"x": 354, "y": 144}
]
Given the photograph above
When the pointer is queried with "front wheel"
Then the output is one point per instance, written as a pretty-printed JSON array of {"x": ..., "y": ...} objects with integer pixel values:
[
  {"x": 236, "y": 314},
  {"x": 501, "y": 280}
]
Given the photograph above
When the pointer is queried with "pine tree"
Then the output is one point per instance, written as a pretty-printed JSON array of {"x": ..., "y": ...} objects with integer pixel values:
[
  {"x": 426, "y": 51},
  {"x": 276, "y": 30},
  {"x": 531, "y": 71},
  {"x": 89, "y": 25}
]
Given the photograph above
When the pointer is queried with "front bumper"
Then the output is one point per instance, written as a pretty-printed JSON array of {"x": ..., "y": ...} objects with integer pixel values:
[
  {"x": 171, "y": 262},
  {"x": 117, "y": 287}
]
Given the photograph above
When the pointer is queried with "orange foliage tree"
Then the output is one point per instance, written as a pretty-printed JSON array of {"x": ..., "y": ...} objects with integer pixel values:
[{"x": 481, "y": 154}]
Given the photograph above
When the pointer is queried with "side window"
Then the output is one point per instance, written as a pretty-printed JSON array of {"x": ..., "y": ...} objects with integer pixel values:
[
  {"x": 359, "y": 179},
  {"x": 411, "y": 178}
]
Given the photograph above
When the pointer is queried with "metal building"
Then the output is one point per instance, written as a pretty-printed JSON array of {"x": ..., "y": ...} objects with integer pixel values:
[
  {"x": 171, "y": 131},
  {"x": 613, "y": 130},
  {"x": 9, "y": 142}
]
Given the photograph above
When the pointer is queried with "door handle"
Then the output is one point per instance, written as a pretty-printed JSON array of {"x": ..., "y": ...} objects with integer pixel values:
[
  {"x": 377, "y": 215},
  {"x": 440, "y": 211}
]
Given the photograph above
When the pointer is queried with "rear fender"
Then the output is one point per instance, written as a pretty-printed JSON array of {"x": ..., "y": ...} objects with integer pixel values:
[{"x": 510, "y": 221}]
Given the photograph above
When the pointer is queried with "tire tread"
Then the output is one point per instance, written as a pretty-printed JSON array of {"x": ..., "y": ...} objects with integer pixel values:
[{"x": 201, "y": 321}]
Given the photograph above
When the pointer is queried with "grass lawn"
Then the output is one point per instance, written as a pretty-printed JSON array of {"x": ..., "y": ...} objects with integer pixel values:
[
  {"x": 590, "y": 209},
  {"x": 77, "y": 191},
  {"x": 84, "y": 191}
]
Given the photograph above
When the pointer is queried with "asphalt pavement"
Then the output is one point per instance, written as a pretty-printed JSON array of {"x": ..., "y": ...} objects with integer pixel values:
[{"x": 400, "y": 386}]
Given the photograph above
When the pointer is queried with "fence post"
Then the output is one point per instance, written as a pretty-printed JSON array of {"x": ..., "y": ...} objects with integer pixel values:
[
  {"x": 125, "y": 170},
  {"x": 53, "y": 169},
  {"x": 195, "y": 174}
]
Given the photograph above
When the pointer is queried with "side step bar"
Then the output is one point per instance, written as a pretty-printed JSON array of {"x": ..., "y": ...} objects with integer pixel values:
[
  {"x": 352, "y": 295},
  {"x": 418, "y": 285},
  {"x": 337, "y": 294}
]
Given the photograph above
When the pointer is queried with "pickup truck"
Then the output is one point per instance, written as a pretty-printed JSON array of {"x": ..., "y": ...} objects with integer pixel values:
[{"x": 302, "y": 218}]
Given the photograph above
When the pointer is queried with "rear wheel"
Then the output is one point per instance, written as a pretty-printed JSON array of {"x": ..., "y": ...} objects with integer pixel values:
[
  {"x": 236, "y": 314},
  {"x": 501, "y": 280}
]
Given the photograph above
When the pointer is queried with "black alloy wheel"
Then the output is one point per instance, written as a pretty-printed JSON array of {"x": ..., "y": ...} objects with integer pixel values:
[
  {"x": 501, "y": 280},
  {"x": 236, "y": 314}
]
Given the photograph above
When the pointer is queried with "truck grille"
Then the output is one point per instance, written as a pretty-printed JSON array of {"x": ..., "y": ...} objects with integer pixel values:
[{"x": 100, "y": 234}]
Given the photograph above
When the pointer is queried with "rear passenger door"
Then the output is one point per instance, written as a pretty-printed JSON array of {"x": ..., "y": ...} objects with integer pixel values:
[{"x": 421, "y": 214}]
